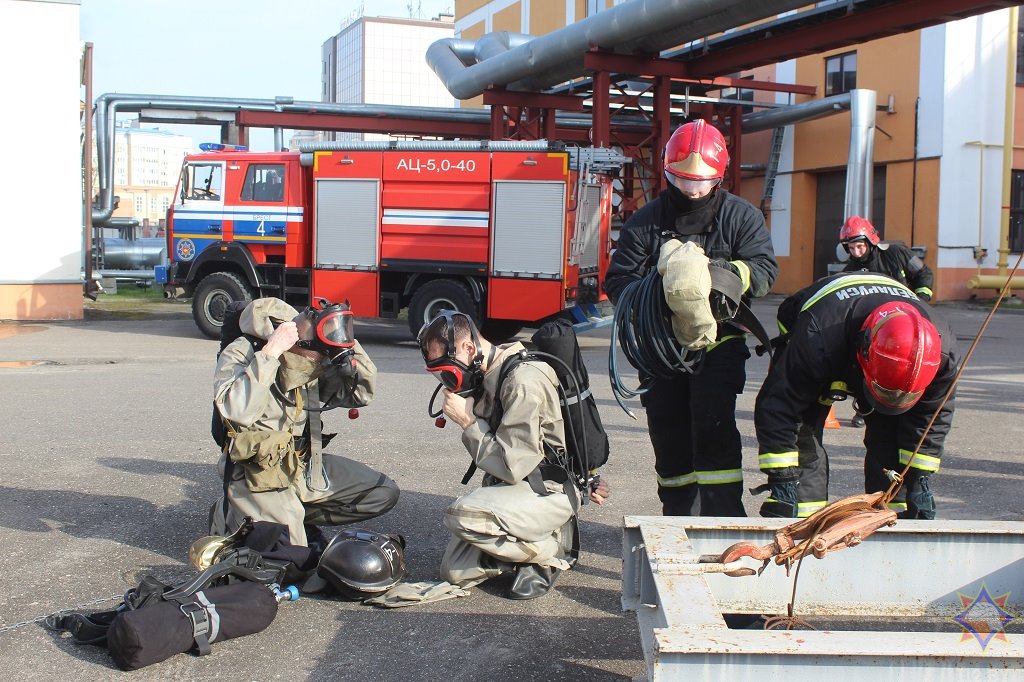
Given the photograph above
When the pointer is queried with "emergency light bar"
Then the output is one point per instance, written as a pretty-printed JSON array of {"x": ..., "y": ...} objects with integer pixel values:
[{"x": 218, "y": 147}]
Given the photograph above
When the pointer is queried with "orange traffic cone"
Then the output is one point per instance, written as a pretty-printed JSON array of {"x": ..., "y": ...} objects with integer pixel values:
[{"x": 830, "y": 421}]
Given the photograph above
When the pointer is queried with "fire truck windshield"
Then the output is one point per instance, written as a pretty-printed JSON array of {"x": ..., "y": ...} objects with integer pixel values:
[{"x": 201, "y": 182}]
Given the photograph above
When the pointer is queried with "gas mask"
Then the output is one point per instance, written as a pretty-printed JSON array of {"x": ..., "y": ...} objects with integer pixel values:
[
  {"x": 456, "y": 376},
  {"x": 333, "y": 334}
]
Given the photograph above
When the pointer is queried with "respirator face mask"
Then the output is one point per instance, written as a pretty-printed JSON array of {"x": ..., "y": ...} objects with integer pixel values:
[
  {"x": 333, "y": 330},
  {"x": 455, "y": 375}
]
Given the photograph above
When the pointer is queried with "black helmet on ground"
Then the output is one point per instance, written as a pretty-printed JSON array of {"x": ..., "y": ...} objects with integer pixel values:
[{"x": 361, "y": 564}]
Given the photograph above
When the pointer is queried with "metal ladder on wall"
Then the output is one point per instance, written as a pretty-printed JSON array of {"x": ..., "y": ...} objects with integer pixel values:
[{"x": 772, "y": 169}]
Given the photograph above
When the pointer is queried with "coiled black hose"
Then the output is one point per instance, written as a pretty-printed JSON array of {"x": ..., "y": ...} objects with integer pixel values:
[{"x": 642, "y": 326}]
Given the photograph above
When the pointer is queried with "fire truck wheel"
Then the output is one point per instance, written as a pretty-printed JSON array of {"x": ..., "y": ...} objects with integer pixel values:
[
  {"x": 438, "y": 295},
  {"x": 211, "y": 298}
]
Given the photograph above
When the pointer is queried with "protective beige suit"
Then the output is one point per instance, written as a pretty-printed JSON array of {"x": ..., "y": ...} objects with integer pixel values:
[
  {"x": 505, "y": 522},
  {"x": 247, "y": 398}
]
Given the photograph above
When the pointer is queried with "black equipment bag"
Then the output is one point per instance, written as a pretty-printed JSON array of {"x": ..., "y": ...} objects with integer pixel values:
[
  {"x": 232, "y": 598},
  {"x": 142, "y": 637}
]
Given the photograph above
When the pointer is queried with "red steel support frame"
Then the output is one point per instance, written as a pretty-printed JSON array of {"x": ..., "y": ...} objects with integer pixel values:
[
  {"x": 679, "y": 71},
  {"x": 857, "y": 27},
  {"x": 600, "y": 135},
  {"x": 527, "y": 115},
  {"x": 360, "y": 124},
  {"x": 662, "y": 73}
]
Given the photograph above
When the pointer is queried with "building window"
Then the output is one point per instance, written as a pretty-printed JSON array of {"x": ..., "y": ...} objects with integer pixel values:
[
  {"x": 1017, "y": 211},
  {"x": 840, "y": 73},
  {"x": 139, "y": 203}
]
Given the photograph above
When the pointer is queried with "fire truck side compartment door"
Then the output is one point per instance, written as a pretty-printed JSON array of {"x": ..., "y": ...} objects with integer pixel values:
[
  {"x": 528, "y": 233},
  {"x": 588, "y": 226},
  {"x": 347, "y": 227}
]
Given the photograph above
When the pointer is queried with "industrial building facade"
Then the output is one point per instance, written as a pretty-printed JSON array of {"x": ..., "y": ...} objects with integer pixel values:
[
  {"x": 379, "y": 60},
  {"x": 939, "y": 142},
  {"x": 147, "y": 163}
]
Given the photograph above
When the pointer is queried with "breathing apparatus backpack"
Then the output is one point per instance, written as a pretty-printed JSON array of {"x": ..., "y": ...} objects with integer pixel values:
[{"x": 587, "y": 446}]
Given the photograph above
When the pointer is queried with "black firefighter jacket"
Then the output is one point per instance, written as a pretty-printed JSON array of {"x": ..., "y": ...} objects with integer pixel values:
[
  {"x": 898, "y": 261},
  {"x": 736, "y": 234},
  {"x": 823, "y": 323}
]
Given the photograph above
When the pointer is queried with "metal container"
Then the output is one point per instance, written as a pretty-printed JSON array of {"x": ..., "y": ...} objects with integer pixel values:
[{"x": 924, "y": 600}]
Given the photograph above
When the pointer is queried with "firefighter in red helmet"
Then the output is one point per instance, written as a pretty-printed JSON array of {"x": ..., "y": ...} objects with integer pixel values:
[
  {"x": 691, "y": 417},
  {"x": 867, "y": 251},
  {"x": 867, "y": 336},
  {"x": 860, "y": 239}
]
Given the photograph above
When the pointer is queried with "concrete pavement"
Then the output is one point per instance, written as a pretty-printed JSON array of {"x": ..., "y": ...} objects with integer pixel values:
[{"x": 108, "y": 471}]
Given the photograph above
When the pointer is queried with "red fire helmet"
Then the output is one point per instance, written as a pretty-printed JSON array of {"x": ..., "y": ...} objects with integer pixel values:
[
  {"x": 900, "y": 351},
  {"x": 856, "y": 228},
  {"x": 696, "y": 151}
]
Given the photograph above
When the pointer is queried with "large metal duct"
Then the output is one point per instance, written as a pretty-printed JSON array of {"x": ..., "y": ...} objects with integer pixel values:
[
  {"x": 133, "y": 254},
  {"x": 797, "y": 113},
  {"x": 860, "y": 164},
  {"x": 308, "y": 149},
  {"x": 640, "y": 26},
  {"x": 499, "y": 42}
]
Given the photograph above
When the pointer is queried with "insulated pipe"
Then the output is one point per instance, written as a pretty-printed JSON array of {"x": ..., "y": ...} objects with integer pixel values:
[
  {"x": 492, "y": 44},
  {"x": 133, "y": 254},
  {"x": 860, "y": 167},
  {"x": 797, "y": 113},
  {"x": 639, "y": 26},
  {"x": 308, "y": 149},
  {"x": 107, "y": 106},
  {"x": 1008, "y": 118},
  {"x": 430, "y": 145}
]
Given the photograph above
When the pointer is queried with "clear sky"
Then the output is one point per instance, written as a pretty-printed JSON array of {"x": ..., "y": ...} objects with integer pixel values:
[{"x": 226, "y": 48}]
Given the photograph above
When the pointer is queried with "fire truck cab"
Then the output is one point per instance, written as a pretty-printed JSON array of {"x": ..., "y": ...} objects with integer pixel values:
[{"x": 508, "y": 232}]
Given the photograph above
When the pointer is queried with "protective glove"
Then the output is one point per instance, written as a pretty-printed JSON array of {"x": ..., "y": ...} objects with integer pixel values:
[
  {"x": 722, "y": 263},
  {"x": 920, "y": 501},
  {"x": 782, "y": 498},
  {"x": 721, "y": 307},
  {"x": 925, "y": 297}
]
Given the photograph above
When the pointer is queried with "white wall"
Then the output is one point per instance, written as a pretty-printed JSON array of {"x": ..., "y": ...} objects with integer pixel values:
[
  {"x": 41, "y": 232},
  {"x": 395, "y": 70},
  {"x": 970, "y": 178}
]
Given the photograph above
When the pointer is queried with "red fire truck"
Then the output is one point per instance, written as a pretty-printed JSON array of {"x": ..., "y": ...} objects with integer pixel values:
[{"x": 508, "y": 232}]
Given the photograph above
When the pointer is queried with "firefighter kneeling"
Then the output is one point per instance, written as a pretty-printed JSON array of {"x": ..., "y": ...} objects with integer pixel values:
[
  {"x": 868, "y": 336},
  {"x": 523, "y": 518},
  {"x": 271, "y": 385}
]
